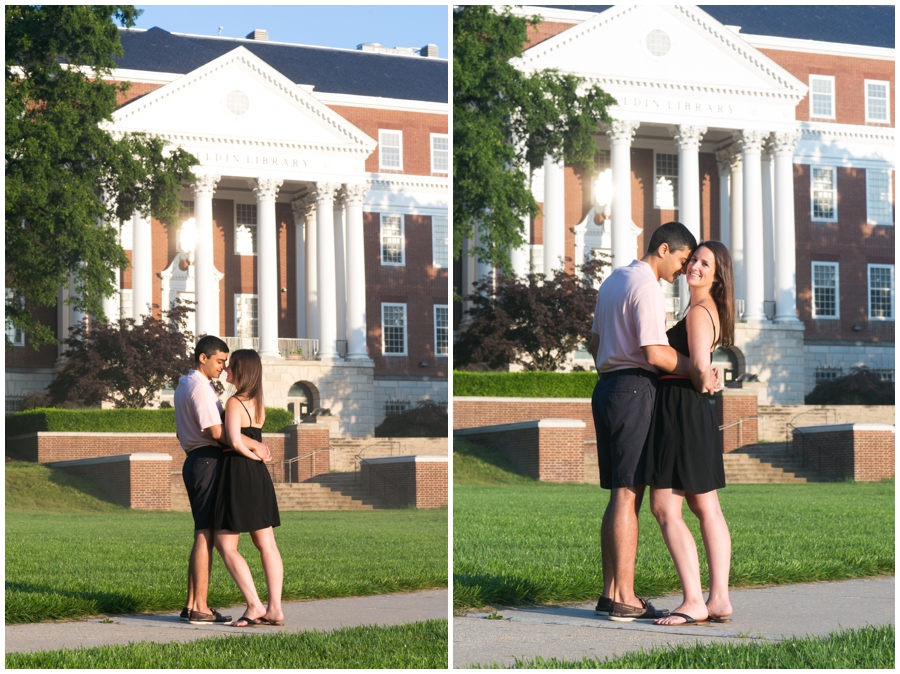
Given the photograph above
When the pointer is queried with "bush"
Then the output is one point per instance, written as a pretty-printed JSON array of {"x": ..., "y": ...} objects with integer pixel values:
[
  {"x": 860, "y": 387},
  {"x": 116, "y": 421},
  {"x": 524, "y": 384},
  {"x": 427, "y": 419}
]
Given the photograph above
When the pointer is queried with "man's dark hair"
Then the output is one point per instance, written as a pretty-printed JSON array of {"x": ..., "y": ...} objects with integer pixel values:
[
  {"x": 673, "y": 233},
  {"x": 209, "y": 345}
]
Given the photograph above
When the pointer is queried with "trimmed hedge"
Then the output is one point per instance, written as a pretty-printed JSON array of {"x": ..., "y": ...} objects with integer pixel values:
[
  {"x": 115, "y": 421},
  {"x": 524, "y": 384}
]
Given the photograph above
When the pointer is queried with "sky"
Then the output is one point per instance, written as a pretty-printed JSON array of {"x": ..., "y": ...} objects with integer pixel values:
[{"x": 334, "y": 25}]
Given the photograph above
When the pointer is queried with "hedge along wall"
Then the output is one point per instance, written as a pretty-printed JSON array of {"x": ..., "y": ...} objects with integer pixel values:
[
  {"x": 524, "y": 384},
  {"x": 115, "y": 421}
]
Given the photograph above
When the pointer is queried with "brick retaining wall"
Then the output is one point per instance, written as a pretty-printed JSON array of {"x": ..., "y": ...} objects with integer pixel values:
[
  {"x": 864, "y": 452},
  {"x": 400, "y": 481},
  {"x": 139, "y": 481}
]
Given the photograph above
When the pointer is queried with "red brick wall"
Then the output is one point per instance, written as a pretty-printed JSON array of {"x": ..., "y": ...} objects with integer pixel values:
[
  {"x": 398, "y": 484},
  {"x": 544, "y": 31},
  {"x": 472, "y": 413},
  {"x": 136, "y": 90},
  {"x": 432, "y": 481},
  {"x": 307, "y": 441},
  {"x": 27, "y": 356},
  {"x": 730, "y": 407},
  {"x": 137, "y": 484},
  {"x": 873, "y": 455}
]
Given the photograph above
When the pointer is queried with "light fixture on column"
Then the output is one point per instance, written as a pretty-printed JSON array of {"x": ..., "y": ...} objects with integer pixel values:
[
  {"x": 603, "y": 192},
  {"x": 187, "y": 239}
]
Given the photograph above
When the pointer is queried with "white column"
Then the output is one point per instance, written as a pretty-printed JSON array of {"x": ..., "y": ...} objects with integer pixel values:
[
  {"x": 687, "y": 138},
  {"x": 267, "y": 288},
  {"x": 354, "y": 195},
  {"x": 751, "y": 145},
  {"x": 111, "y": 305},
  {"x": 142, "y": 266},
  {"x": 483, "y": 269},
  {"x": 78, "y": 316},
  {"x": 785, "y": 248},
  {"x": 206, "y": 295},
  {"x": 340, "y": 265},
  {"x": 554, "y": 215},
  {"x": 737, "y": 224},
  {"x": 723, "y": 161},
  {"x": 620, "y": 135},
  {"x": 520, "y": 256},
  {"x": 768, "y": 212},
  {"x": 300, "y": 208},
  {"x": 312, "y": 269},
  {"x": 327, "y": 292}
]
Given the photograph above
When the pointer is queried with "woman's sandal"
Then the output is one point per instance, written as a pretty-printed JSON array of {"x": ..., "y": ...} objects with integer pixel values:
[
  {"x": 273, "y": 623},
  {"x": 688, "y": 620},
  {"x": 248, "y": 622},
  {"x": 720, "y": 618}
]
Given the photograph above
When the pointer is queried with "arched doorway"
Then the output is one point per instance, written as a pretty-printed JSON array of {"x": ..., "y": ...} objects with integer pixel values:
[
  {"x": 302, "y": 399},
  {"x": 728, "y": 361}
]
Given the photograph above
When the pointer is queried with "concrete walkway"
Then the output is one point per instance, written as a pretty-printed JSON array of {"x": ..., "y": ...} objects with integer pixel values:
[
  {"x": 299, "y": 616},
  {"x": 573, "y": 632}
]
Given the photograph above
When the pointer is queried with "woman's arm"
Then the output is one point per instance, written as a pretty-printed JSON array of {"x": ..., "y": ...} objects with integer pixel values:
[
  {"x": 700, "y": 338},
  {"x": 233, "y": 412}
]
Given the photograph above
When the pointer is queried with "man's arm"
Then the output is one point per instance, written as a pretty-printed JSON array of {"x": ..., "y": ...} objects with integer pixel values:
[
  {"x": 670, "y": 361},
  {"x": 594, "y": 346}
]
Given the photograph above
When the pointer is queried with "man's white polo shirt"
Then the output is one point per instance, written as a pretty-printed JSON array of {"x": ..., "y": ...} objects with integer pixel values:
[{"x": 197, "y": 408}]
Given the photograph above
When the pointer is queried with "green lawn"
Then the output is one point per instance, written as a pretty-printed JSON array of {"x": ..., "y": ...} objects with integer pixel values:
[
  {"x": 865, "y": 648},
  {"x": 532, "y": 543},
  {"x": 69, "y": 566},
  {"x": 414, "y": 646}
]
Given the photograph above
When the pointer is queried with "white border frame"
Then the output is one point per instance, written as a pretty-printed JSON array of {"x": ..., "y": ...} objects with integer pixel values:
[
  {"x": 405, "y": 329},
  {"x": 869, "y": 269},
  {"x": 812, "y": 192},
  {"x": 435, "y": 310},
  {"x": 887, "y": 85},
  {"x": 381, "y": 144},
  {"x": 829, "y": 78},
  {"x": 402, "y": 217},
  {"x": 431, "y": 138},
  {"x": 870, "y": 220},
  {"x": 837, "y": 290}
]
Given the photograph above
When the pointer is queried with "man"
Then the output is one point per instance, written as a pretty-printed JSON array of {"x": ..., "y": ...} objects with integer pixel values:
[
  {"x": 200, "y": 430},
  {"x": 629, "y": 345}
]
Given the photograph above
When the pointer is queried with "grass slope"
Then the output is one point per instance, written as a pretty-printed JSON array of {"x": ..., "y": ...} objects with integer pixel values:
[
  {"x": 32, "y": 487},
  {"x": 422, "y": 645}
]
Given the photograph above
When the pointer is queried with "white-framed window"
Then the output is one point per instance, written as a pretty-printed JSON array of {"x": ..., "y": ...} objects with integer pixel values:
[
  {"x": 821, "y": 96},
  {"x": 126, "y": 303},
  {"x": 390, "y": 149},
  {"x": 825, "y": 284},
  {"x": 441, "y": 330},
  {"x": 393, "y": 329},
  {"x": 879, "y": 201},
  {"x": 440, "y": 153},
  {"x": 16, "y": 336},
  {"x": 881, "y": 292},
  {"x": 246, "y": 316},
  {"x": 126, "y": 234},
  {"x": 393, "y": 250},
  {"x": 665, "y": 181},
  {"x": 828, "y": 374},
  {"x": 440, "y": 241},
  {"x": 885, "y": 375},
  {"x": 878, "y": 106},
  {"x": 245, "y": 226},
  {"x": 824, "y": 193},
  {"x": 395, "y": 407}
]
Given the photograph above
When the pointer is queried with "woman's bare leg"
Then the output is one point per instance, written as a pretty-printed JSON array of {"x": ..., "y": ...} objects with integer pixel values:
[
  {"x": 264, "y": 540},
  {"x": 666, "y": 505},
  {"x": 717, "y": 541},
  {"x": 226, "y": 544}
]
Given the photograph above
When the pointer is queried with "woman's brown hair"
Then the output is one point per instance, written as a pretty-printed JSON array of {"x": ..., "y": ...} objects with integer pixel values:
[
  {"x": 246, "y": 375},
  {"x": 722, "y": 290}
]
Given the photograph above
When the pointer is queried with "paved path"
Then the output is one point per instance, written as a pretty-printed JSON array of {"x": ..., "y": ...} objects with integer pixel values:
[
  {"x": 299, "y": 616},
  {"x": 573, "y": 632}
]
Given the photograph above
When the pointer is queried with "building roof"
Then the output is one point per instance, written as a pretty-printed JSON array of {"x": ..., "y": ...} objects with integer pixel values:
[
  {"x": 329, "y": 70},
  {"x": 865, "y": 25}
]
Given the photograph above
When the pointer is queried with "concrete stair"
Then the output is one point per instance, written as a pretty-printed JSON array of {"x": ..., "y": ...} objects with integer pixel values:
[
  {"x": 764, "y": 464},
  {"x": 332, "y": 491}
]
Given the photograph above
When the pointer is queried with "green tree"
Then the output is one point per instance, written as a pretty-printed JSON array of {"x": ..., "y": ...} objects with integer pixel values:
[
  {"x": 503, "y": 119},
  {"x": 65, "y": 173}
]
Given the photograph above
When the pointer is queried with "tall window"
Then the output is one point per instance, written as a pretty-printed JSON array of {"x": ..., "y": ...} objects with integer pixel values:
[
  {"x": 824, "y": 194},
  {"x": 246, "y": 316},
  {"x": 126, "y": 303},
  {"x": 878, "y": 107},
  {"x": 826, "y": 302},
  {"x": 393, "y": 329},
  {"x": 881, "y": 292},
  {"x": 440, "y": 241},
  {"x": 15, "y": 336},
  {"x": 441, "y": 330},
  {"x": 666, "y": 181},
  {"x": 390, "y": 154},
  {"x": 878, "y": 197},
  {"x": 440, "y": 153},
  {"x": 245, "y": 229},
  {"x": 821, "y": 93},
  {"x": 392, "y": 248}
]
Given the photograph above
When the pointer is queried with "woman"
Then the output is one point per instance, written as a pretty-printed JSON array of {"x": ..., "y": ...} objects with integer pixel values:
[
  {"x": 684, "y": 459},
  {"x": 246, "y": 497}
]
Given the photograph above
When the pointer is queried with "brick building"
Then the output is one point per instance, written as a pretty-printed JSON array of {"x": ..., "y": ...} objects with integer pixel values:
[
  {"x": 770, "y": 128},
  {"x": 317, "y": 230}
]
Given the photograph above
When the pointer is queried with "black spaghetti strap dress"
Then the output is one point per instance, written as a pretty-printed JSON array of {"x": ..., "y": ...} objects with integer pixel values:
[
  {"x": 246, "y": 497},
  {"x": 684, "y": 446}
]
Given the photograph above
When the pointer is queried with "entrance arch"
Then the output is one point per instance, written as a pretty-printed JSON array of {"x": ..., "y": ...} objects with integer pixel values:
[{"x": 303, "y": 398}]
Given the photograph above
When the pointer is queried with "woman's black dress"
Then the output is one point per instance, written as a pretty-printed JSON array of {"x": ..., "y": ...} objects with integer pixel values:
[
  {"x": 684, "y": 446},
  {"x": 246, "y": 496}
]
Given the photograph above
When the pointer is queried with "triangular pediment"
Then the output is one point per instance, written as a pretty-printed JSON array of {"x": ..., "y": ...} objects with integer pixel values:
[
  {"x": 666, "y": 50},
  {"x": 240, "y": 100}
]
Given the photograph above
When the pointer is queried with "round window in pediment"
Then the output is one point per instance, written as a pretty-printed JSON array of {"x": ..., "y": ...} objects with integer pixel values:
[
  {"x": 237, "y": 102},
  {"x": 658, "y": 43}
]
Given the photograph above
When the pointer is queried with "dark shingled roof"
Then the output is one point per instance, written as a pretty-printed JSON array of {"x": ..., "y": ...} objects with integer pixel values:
[
  {"x": 865, "y": 25},
  {"x": 336, "y": 71}
]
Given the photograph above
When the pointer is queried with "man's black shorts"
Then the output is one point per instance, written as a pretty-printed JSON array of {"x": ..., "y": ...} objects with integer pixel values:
[
  {"x": 622, "y": 405},
  {"x": 200, "y": 473}
]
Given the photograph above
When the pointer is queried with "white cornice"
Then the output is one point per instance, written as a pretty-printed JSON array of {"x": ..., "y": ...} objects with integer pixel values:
[
  {"x": 669, "y": 87},
  {"x": 552, "y": 14},
  {"x": 388, "y": 182},
  {"x": 816, "y": 47},
  {"x": 877, "y": 134},
  {"x": 354, "y": 101},
  {"x": 243, "y": 143}
]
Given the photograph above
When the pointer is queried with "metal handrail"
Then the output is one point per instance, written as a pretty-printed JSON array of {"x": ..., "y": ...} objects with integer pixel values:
[
  {"x": 740, "y": 424},
  {"x": 358, "y": 458},
  {"x": 285, "y": 463},
  {"x": 789, "y": 429}
]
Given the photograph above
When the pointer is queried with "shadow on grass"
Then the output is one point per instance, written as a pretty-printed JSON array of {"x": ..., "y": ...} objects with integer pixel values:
[
  {"x": 23, "y": 609},
  {"x": 60, "y": 477},
  {"x": 480, "y": 590},
  {"x": 488, "y": 454}
]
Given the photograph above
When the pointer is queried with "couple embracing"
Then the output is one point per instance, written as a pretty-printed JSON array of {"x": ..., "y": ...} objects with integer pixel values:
[
  {"x": 227, "y": 481},
  {"x": 655, "y": 425}
]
